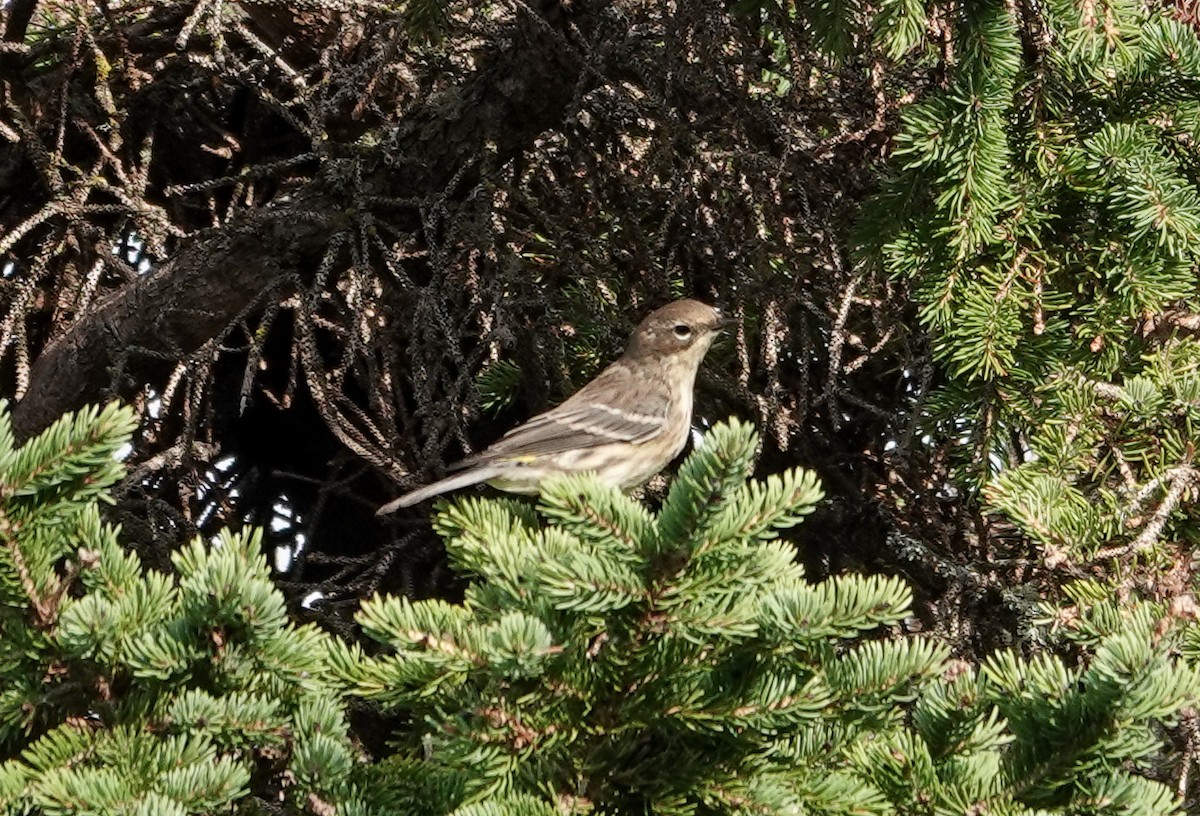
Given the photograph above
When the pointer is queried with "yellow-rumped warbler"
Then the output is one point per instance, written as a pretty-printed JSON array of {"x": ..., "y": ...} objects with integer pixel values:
[{"x": 625, "y": 425}]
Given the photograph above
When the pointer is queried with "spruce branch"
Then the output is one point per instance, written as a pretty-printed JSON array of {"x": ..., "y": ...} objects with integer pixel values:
[
  {"x": 702, "y": 484},
  {"x": 1179, "y": 481},
  {"x": 75, "y": 448}
]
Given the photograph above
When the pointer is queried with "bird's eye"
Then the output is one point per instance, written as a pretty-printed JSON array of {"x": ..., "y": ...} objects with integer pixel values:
[{"x": 683, "y": 332}]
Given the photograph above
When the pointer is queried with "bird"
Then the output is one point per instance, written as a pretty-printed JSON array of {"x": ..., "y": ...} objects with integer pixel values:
[{"x": 625, "y": 425}]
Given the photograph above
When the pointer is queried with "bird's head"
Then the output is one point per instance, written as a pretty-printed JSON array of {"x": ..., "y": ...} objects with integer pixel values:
[{"x": 683, "y": 329}]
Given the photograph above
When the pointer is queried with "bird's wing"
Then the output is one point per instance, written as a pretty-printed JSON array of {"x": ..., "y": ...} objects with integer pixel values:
[{"x": 587, "y": 419}]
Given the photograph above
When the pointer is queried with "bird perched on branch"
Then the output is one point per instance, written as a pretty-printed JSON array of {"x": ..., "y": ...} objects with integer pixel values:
[{"x": 625, "y": 425}]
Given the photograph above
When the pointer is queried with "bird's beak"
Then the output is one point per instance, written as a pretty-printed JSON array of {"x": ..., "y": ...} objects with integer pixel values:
[{"x": 724, "y": 323}]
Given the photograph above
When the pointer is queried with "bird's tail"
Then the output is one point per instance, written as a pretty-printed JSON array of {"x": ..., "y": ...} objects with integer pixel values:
[{"x": 467, "y": 478}]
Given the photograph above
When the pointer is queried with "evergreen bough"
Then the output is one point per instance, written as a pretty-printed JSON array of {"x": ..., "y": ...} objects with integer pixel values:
[
  {"x": 1041, "y": 201},
  {"x": 611, "y": 659},
  {"x": 605, "y": 659},
  {"x": 128, "y": 691}
]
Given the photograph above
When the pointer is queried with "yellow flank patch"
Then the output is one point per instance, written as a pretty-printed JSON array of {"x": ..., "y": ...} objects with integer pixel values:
[{"x": 528, "y": 458}]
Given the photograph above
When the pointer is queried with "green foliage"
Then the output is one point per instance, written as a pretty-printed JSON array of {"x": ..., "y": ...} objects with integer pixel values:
[
  {"x": 612, "y": 659},
  {"x": 1038, "y": 190},
  {"x": 1041, "y": 205},
  {"x": 498, "y": 385},
  {"x": 425, "y": 20},
  {"x": 1111, "y": 473},
  {"x": 125, "y": 690},
  {"x": 606, "y": 658}
]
